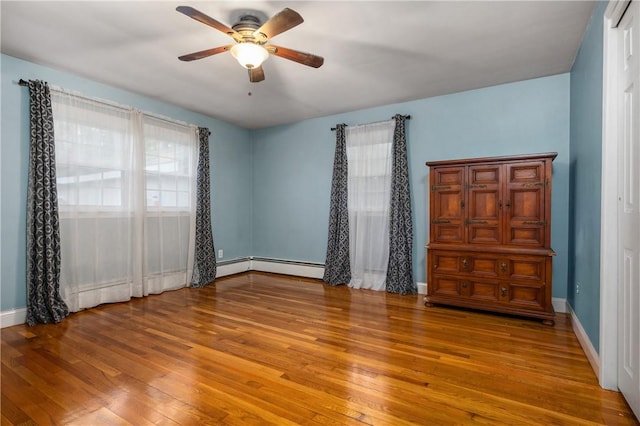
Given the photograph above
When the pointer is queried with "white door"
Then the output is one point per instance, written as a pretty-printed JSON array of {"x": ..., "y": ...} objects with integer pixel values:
[{"x": 629, "y": 207}]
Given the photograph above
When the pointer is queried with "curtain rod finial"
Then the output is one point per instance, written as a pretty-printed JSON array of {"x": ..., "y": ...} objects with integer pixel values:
[{"x": 408, "y": 116}]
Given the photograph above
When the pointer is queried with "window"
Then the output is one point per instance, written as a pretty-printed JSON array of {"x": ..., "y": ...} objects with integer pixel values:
[
  {"x": 126, "y": 195},
  {"x": 93, "y": 154},
  {"x": 369, "y": 155}
]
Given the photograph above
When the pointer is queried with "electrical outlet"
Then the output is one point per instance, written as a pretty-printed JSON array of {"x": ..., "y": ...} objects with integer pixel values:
[
  {"x": 577, "y": 288},
  {"x": 220, "y": 254}
]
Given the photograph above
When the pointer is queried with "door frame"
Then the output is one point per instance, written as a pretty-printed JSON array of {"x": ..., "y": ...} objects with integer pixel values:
[{"x": 608, "y": 351}]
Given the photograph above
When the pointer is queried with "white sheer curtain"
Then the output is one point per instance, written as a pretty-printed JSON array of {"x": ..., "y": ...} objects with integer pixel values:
[
  {"x": 170, "y": 164},
  {"x": 125, "y": 189},
  {"x": 369, "y": 155}
]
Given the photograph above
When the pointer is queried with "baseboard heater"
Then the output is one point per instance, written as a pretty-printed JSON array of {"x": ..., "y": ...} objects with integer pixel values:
[
  {"x": 265, "y": 264},
  {"x": 232, "y": 261},
  {"x": 287, "y": 262},
  {"x": 279, "y": 266}
]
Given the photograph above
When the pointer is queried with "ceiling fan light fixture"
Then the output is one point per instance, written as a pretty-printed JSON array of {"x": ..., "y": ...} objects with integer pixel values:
[
  {"x": 250, "y": 39},
  {"x": 249, "y": 55}
]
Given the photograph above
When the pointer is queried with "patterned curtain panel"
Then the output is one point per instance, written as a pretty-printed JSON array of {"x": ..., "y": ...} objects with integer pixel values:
[
  {"x": 337, "y": 267},
  {"x": 44, "y": 304},
  {"x": 399, "y": 272},
  {"x": 204, "y": 268}
]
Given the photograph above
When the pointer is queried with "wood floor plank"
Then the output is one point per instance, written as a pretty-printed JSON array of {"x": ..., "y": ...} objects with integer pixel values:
[{"x": 261, "y": 349}]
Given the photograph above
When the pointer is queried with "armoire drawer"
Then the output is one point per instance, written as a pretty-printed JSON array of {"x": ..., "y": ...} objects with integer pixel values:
[
  {"x": 489, "y": 265},
  {"x": 463, "y": 287},
  {"x": 525, "y": 295}
]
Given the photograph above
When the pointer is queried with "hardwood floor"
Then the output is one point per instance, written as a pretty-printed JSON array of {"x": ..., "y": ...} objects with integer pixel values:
[{"x": 268, "y": 349}]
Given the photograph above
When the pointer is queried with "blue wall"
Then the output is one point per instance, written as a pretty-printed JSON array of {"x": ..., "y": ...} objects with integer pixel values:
[
  {"x": 293, "y": 163},
  {"x": 230, "y": 154},
  {"x": 586, "y": 167},
  {"x": 271, "y": 186}
]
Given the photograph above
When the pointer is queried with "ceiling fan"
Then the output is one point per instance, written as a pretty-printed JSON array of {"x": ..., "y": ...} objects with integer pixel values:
[{"x": 251, "y": 37}]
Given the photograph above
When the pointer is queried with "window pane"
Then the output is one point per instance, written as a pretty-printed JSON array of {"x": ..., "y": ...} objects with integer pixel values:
[
  {"x": 183, "y": 183},
  {"x": 169, "y": 155},
  {"x": 153, "y": 181},
  {"x": 93, "y": 153},
  {"x": 111, "y": 197},
  {"x": 153, "y": 198},
  {"x": 183, "y": 199},
  {"x": 90, "y": 193},
  {"x": 168, "y": 199},
  {"x": 168, "y": 182}
]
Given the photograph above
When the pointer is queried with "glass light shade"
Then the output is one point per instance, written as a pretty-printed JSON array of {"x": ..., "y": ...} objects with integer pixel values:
[{"x": 249, "y": 55}]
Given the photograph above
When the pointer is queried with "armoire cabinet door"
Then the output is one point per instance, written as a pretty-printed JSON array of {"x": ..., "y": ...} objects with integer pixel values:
[
  {"x": 447, "y": 204},
  {"x": 484, "y": 212},
  {"x": 525, "y": 192}
]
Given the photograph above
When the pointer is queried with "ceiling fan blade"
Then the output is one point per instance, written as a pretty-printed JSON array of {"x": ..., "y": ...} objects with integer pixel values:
[
  {"x": 280, "y": 22},
  {"x": 204, "y": 53},
  {"x": 207, "y": 20},
  {"x": 256, "y": 75},
  {"x": 296, "y": 56}
]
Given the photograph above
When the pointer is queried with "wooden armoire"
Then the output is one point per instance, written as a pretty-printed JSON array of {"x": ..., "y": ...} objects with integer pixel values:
[{"x": 490, "y": 233}]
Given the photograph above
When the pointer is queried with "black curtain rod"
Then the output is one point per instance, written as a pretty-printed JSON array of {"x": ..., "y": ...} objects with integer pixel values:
[
  {"x": 23, "y": 82},
  {"x": 408, "y": 117}
]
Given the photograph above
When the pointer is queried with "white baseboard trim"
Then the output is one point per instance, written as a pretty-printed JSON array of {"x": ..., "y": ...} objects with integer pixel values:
[
  {"x": 583, "y": 338},
  {"x": 560, "y": 305},
  {"x": 13, "y": 317},
  {"x": 422, "y": 288}
]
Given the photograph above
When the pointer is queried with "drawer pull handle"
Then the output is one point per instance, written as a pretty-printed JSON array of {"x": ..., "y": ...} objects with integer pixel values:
[
  {"x": 503, "y": 291},
  {"x": 480, "y": 185},
  {"x": 503, "y": 267},
  {"x": 435, "y": 266},
  {"x": 464, "y": 285},
  {"x": 477, "y": 222},
  {"x": 465, "y": 263}
]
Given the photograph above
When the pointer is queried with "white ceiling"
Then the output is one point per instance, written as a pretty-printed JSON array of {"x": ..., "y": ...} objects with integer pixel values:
[{"x": 376, "y": 53}]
